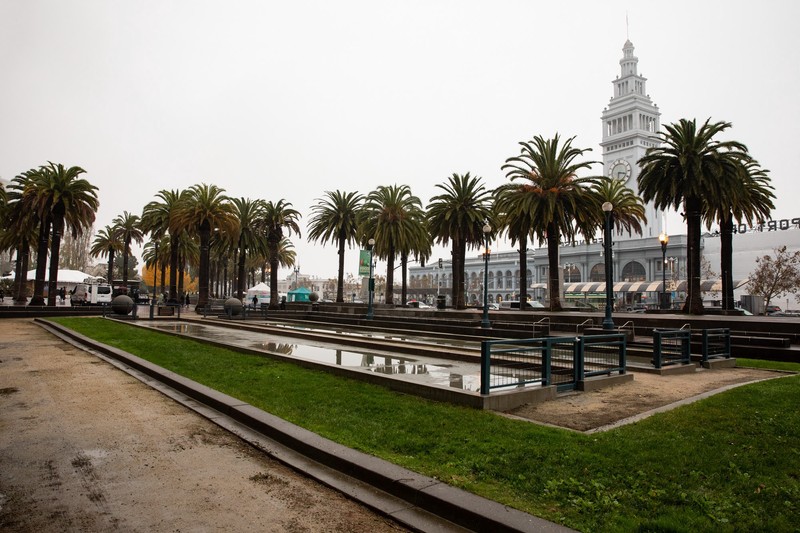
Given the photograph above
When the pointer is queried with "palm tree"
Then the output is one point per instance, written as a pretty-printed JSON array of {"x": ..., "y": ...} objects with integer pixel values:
[
  {"x": 65, "y": 199},
  {"x": 251, "y": 236},
  {"x": 335, "y": 219},
  {"x": 158, "y": 219},
  {"x": 393, "y": 217},
  {"x": 203, "y": 209},
  {"x": 458, "y": 215},
  {"x": 106, "y": 243},
  {"x": 554, "y": 198},
  {"x": 750, "y": 200},
  {"x": 628, "y": 213},
  {"x": 512, "y": 218},
  {"x": 126, "y": 228},
  {"x": 689, "y": 166},
  {"x": 277, "y": 217},
  {"x": 21, "y": 225}
]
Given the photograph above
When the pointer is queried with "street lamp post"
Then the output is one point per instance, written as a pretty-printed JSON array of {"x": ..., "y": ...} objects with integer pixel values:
[
  {"x": 664, "y": 239},
  {"x": 608, "y": 322},
  {"x": 296, "y": 272},
  {"x": 485, "y": 321},
  {"x": 155, "y": 269},
  {"x": 371, "y": 286}
]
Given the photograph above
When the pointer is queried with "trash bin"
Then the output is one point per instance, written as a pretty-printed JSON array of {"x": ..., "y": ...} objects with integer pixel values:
[{"x": 441, "y": 302}]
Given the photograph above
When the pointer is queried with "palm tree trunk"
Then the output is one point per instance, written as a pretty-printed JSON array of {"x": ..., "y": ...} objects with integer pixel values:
[
  {"x": 21, "y": 280},
  {"x": 205, "y": 237},
  {"x": 41, "y": 262},
  {"x": 181, "y": 268},
  {"x": 125, "y": 263},
  {"x": 272, "y": 242},
  {"x": 111, "y": 265},
  {"x": 403, "y": 277},
  {"x": 523, "y": 271},
  {"x": 340, "y": 279},
  {"x": 553, "y": 280},
  {"x": 390, "y": 276},
  {"x": 55, "y": 249},
  {"x": 726, "y": 262},
  {"x": 694, "y": 300},
  {"x": 240, "y": 275},
  {"x": 173, "y": 269},
  {"x": 461, "y": 251}
]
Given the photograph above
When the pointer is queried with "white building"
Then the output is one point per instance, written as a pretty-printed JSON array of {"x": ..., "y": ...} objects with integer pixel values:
[{"x": 630, "y": 122}]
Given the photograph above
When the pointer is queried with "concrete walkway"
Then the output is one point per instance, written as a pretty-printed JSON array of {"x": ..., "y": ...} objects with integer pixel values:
[{"x": 415, "y": 501}]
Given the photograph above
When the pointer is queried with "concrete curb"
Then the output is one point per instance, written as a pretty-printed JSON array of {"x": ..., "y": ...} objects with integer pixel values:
[{"x": 416, "y": 501}]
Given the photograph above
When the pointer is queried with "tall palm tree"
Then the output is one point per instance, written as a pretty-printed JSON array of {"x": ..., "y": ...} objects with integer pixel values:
[
  {"x": 106, "y": 243},
  {"x": 687, "y": 167},
  {"x": 126, "y": 228},
  {"x": 393, "y": 217},
  {"x": 749, "y": 199},
  {"x": 458, "y": 214},
  {"x": 335, "y": 219},
  {"x": 21, "y": 229},
  {"x": 158, "y": 219},
  {"x": 67, "y": 200},
  {"x": 203, "y": 209},
  {"x": 251, "y": 236},
  {"x": 554, "y": 198},
  {"x": 513, "y": 219},
  {"x": 277, "y": 217},
  {"x": 628, "y": 213}
]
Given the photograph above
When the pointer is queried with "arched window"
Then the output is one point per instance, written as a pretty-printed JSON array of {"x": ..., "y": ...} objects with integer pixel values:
[
  {"x": 491, "y": 280},
  {"x": 572, "y": 274},
  {"x": 598, "y": 273},
  {"x": 633, "y": 271},
  {"x": 509, "y": 280}
]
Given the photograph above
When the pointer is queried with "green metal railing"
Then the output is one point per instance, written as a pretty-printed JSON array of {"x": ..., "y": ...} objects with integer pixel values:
[
  {"x": 671, "y": 346},
  {"x": 559, "y": 361},
  {"x": 602, "y": 354},
  {"x": 716, "y": 343}
]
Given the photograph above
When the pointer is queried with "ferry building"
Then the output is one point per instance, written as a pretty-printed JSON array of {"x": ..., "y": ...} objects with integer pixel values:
[{"x": 629, "y": 126}]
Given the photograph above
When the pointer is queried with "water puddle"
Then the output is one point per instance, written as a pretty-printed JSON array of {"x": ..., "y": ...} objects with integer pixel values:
[{"x": 426, "y": 370}]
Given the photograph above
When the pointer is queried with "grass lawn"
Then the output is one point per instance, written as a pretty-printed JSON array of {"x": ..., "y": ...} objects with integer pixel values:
[{"x": 728, "y": 463}]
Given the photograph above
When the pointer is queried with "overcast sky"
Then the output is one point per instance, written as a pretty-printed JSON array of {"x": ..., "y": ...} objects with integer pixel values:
[{"x": 285, "y": 100}]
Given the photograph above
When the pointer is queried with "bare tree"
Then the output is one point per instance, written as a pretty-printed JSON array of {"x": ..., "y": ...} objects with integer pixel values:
[
  {"x": 776, "y": 276},
  {"x": 75, "y": 251}
]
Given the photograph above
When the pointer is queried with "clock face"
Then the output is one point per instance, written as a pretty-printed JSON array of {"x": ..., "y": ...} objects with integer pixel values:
[{"x": 620, "y": 169}]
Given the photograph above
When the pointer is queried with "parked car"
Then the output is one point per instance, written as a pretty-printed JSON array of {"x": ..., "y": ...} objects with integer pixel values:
[
  {"x": 416, "y": 304},
  {"x": 770, "y": 309},
  {"x": 514, "y": 304}
]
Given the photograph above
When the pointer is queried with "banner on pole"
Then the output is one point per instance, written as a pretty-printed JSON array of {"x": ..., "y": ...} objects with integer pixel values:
[{"x": 363, "y": 263}]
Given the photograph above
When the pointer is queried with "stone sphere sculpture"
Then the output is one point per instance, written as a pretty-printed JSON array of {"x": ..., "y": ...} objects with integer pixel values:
[
  {"x": 233, "y": 306},
  {"x": 122, "y": 304},
  {"x": 313, "y": 297}
]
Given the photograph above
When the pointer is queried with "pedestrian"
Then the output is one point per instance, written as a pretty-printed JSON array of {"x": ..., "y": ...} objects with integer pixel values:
[
  {"x": 2, "y": 295},
  {"x": 255, "y": 301},
  {"x": 62, "y": 293},
  {"x": 187, "y": 299}
]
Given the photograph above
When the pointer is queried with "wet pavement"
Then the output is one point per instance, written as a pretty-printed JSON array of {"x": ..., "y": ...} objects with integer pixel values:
[{"x": 422, "y": 370}]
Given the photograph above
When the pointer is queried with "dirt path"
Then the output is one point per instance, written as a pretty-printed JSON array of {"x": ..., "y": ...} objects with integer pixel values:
[
  {"x": 584, "y": 411},
  {"x": 85, "y": 447}
]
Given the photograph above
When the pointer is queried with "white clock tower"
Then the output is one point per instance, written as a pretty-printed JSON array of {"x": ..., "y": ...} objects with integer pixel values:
[{"x": 630, "y": 124}]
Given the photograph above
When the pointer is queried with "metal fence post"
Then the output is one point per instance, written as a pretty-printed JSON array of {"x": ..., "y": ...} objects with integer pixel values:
[
  {"x": 578, "y": 351},
  {"x": 486, "y": 358},
  {"x": 657, "y": 348},
  {"x": 547, "y": 366}
]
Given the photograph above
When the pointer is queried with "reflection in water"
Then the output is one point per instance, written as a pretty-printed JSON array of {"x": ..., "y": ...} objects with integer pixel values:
[
  {"x": 431, "y": 372},
  {"x": 277, "y": 347}
]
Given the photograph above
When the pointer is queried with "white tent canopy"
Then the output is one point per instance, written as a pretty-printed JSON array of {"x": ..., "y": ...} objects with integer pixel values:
[
  {"x": 64, "y": 276},
  {"x": 261, "y": 291}
]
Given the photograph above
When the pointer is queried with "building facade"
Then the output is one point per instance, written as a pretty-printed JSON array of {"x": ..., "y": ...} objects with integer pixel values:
[{"x": 641, "y": 268}]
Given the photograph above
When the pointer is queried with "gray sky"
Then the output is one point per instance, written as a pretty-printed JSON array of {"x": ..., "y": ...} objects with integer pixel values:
[{"x": 289, "y": 99}]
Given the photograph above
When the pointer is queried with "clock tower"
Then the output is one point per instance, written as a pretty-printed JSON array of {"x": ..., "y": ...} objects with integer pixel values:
[{"x": 630, "y": 124}]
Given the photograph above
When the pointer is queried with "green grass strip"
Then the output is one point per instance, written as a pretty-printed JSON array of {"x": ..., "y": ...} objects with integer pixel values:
[{"x": 727, "y": 463}]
